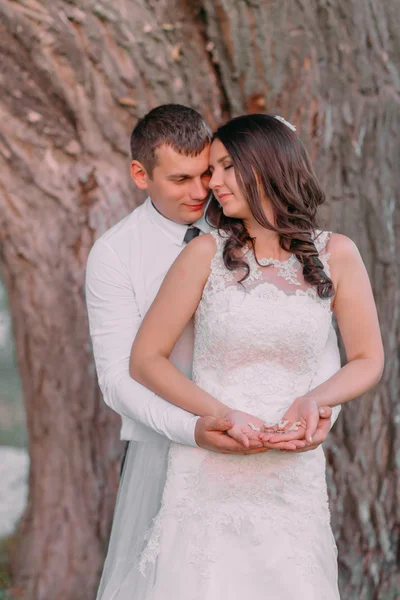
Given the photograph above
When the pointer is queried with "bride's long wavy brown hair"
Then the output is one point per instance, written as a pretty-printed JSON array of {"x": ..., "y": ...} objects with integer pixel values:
[{"x": 269, "y": 157}]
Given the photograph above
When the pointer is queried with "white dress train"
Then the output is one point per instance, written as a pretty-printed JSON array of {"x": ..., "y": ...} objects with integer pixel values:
[{"x": 237, "y": 526}]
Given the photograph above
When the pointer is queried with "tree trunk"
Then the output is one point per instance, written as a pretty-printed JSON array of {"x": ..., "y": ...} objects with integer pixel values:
[{"x": 76, "y": 74}]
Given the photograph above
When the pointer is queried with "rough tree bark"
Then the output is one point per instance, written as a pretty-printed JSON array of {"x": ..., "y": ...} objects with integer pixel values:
[{"x": 75, "y": 76}]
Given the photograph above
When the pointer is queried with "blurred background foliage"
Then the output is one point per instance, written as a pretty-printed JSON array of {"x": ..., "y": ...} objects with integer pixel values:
[{"x": 12, "y": 413}]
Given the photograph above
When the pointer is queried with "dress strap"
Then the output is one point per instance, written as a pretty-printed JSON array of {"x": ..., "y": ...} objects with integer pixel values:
[
  {"x": 220, "y": 237},
  {"x": 321, "y": 240},
  {"x": 219, "y": 274}
]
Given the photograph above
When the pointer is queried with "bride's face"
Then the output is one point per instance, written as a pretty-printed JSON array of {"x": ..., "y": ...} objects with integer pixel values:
[{"x": 224, "y": 185}]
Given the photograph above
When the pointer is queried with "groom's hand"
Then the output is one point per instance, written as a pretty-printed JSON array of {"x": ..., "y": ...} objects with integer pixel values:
[{"x": 211, "y": 434}]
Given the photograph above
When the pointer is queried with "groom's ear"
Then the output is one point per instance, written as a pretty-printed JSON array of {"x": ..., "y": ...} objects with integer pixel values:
[{"x": 139, "y": 174}]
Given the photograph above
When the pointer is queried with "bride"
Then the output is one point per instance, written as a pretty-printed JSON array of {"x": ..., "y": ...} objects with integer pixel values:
[{"x": 263, "y": 288}]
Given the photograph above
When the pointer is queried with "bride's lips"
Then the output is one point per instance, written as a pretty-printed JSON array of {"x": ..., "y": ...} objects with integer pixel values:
[{"x": 223, "y": 196}]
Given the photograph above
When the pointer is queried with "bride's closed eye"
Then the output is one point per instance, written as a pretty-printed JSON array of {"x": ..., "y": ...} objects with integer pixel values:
[{"x": 227, "y": 167}]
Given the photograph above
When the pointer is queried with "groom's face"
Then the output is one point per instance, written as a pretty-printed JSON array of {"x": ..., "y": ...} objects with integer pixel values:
[{"x": 178, "y": 185}]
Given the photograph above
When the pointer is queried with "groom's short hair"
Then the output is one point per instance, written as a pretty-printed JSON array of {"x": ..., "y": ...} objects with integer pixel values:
[{"x": 180, "y": 127}]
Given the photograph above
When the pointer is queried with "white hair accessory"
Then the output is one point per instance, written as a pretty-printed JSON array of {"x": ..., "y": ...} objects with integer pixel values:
[{"x": 282, "y": 120}]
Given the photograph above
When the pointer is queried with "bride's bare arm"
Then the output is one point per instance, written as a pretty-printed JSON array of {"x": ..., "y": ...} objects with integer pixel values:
[
  {"x": 357, "y": 318},
  {"x": 164, "y": 322}
]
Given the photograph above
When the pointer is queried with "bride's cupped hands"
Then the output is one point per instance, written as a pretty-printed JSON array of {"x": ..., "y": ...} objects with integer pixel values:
[{"x": 303, "y": 427}]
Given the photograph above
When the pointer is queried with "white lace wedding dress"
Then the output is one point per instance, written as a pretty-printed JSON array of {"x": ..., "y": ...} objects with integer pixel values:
[
  {"x": 240, "y": 527},
  {"x": 235, "y": 528}
]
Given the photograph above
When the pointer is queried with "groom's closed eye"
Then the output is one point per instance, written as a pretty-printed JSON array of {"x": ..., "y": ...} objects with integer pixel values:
[{"x": 179, "y": 178}]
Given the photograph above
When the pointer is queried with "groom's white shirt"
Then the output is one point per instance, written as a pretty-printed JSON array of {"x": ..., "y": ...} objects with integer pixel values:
[{"x": 125, "y": 269}]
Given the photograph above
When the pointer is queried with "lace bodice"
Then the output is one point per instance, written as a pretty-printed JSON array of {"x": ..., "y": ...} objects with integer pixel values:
[
  {"x": 278, "y": 272},
  {"x": 260, "y": 340}
]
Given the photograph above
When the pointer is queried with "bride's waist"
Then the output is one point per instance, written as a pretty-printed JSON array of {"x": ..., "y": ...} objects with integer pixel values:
[
  {"x": 265, "y": 399},
  {"x": 266, "y": 388}
]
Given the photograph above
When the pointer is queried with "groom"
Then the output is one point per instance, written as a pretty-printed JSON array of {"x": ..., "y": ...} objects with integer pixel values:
[{"x": 127, "y": 264}]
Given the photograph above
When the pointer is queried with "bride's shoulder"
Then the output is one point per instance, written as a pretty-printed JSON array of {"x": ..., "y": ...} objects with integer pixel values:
[
  {"x": 341, "y": 247},
  {"x": 343, "y": 257},
  {"x": 200, "y": 249},
  {"x": 203, "y": 243},
  {"x": 193, "y": 264}
]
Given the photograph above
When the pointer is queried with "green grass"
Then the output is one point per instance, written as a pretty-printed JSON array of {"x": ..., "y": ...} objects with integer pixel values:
[
  {"x": 13, "y": 436},
  {"x": 5, "y": 573},
  {"x": 12, "y": 411}
]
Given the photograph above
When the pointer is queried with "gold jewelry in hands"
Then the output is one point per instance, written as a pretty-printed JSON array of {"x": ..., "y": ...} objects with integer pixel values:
[{"x": 281, "y": 427}]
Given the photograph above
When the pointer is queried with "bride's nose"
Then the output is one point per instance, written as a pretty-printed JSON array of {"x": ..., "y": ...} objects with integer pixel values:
[{"x": 215, "y": 181}]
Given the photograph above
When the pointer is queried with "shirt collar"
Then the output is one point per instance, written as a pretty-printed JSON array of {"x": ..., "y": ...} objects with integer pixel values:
[{"x": 175, "y": 231}]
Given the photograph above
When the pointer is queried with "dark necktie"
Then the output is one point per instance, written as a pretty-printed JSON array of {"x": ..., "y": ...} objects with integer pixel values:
[{"x": 191, "y": 233}]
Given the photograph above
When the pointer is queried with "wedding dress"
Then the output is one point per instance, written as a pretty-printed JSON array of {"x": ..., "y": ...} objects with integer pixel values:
[{"x": 242, "y": 526}]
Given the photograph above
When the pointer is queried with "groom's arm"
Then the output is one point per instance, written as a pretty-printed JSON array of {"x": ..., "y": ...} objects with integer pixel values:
[{"x": 114, "y": 320}]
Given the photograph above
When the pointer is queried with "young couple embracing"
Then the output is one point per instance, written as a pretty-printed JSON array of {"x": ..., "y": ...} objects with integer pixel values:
[{"x": 210, "y": 310}]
